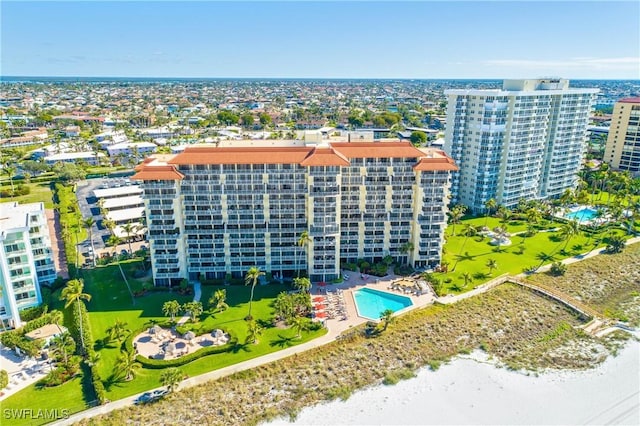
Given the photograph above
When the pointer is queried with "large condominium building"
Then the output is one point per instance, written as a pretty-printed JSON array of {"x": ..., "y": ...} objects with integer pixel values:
[
  {"x": 622, "y": 151},
  {"x": 26, "y": 260},
  {"x": 213, "y": 211},
  {"x": 524, "y": 141}
]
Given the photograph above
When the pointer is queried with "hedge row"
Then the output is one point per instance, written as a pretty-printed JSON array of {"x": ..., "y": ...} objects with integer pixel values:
[{"x": 210, "y": 350}]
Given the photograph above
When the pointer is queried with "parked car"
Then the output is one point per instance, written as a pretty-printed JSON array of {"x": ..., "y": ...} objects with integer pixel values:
[{"x": 148, "y": 397}]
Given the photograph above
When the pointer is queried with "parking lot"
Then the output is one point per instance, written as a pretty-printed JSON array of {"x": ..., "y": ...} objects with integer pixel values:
[{"x": 89, "y": 208}]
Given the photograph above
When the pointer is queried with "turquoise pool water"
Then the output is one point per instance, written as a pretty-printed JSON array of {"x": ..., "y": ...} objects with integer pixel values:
[
  {"x": 583, "y": 215},
  {"x": 370, "y": 303}
]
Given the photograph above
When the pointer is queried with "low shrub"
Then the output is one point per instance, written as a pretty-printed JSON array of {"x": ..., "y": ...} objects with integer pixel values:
[
  {"x": 4, "y": 379},
  {"x": 394, "y": 376},
  {"x": 98, "y": 386}
]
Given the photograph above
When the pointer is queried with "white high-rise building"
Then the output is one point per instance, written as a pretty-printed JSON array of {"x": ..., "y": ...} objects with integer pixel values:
[
  {"x": 524, "y": 141},
  {"x": 214, "y": 212},
  {"x": 26, "y": 260}
]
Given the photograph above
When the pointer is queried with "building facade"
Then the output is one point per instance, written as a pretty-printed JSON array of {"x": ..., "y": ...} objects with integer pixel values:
[
  {"x": 214, "y": 212},
  {"x": 524, "y": 141},
  {"x": 622, "y": 151},
  {"x": 26, "y": 259}
]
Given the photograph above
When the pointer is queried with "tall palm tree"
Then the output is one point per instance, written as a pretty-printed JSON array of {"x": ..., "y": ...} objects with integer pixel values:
[
  {"x": 127, "y": 365},
  {"x": 72, "y": 294},
  {"x": 303, "y": 241},
  {"x": 88, "y": 223},
  {"x": 568, "y": 231},
  {"x": 252, "y": 278},
  {"x": 489, "y": 205},
  {"x": 491, "y": 264},
  {"x": 129, "y": 229},
  {"x": 10, "y": 171},
  {"x": 455, "y": 215}
]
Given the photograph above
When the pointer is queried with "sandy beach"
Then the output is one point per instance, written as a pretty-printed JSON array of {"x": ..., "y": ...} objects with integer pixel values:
[{"x": 469, "y": 390}]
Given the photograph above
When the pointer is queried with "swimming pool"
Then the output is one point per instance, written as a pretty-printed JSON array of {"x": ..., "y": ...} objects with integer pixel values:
[
  {"x": 585, "y": 214},
  {"x": 371, "y": 303}
]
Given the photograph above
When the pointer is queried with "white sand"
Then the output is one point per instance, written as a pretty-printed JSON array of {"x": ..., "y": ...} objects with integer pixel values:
[{"x": 471, "y": 392}]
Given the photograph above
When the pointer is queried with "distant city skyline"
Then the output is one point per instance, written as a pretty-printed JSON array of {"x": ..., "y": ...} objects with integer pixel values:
[{"x": 359, "y": 40}]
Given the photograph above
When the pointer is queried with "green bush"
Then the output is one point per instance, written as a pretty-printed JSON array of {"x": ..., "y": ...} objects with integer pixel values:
[
  {"x": 394, "y": 376},
  {"x": 98, "y": 386},
  {"x": 4, "y": 379},
  {"x": 30, "y": 314}
]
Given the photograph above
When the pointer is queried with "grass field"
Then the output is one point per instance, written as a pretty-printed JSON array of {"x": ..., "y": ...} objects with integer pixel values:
[
  {"x": 40, "y": 192},
  {"x": 470, "y": 254}
]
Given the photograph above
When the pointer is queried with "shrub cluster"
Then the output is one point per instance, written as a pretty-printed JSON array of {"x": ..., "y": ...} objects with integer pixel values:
[
  {"x": 18, "y": 191},
  {"x": 210, "y": 350}
]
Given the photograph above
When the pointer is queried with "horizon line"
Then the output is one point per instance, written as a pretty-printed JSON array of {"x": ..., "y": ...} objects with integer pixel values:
[{"x": 297, "y": 78}]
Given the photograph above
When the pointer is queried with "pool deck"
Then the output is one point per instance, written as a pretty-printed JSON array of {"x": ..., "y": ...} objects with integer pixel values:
[{"x": 337, "y": 325}]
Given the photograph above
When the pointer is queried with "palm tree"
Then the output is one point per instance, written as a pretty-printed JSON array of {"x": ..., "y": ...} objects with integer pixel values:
[
  {"x": 88, "y": 223},
  {"x": 303, "y": 242},
  {"x": 298, "y": 324},
  {"x": 386, "y": 317},
  {"x": 127, "y": 365},
  {"x": 253, "y": 331},
  {"x": 252, "y": 278},
  {"x": 302, "y": 284},
  {"x": 616, "y": 244},
  {"x": 171, "y": 378},
  {"x": 466, "y": 276},
  {"x": 63, "y": 344},
  {"x": 171, "y": 309},
  {"x": 114, "y": 241},
  {"x": 568, "y": 231},
  {"x": 489, "y": 205},
  {"x": 129, "y": 229},
  {"x": 407, "y": 248},
  {"x": 491, "y": 264},
  {"x": 72, "y": 294},
  {"x": 218, "y": 300},
  {"x": 117, "y": 331},
  {"x": 504, "y": 214},
  {"x": 194, "y": 309},
  {"x": 10, "y": 171},
  {"x": 455, "y": 215}
]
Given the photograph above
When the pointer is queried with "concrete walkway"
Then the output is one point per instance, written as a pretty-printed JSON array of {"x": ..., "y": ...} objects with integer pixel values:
[{"x": 335, "y": 328}]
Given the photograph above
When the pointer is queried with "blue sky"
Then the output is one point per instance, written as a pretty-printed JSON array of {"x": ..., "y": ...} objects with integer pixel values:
[{"x": 321, "y": 39}]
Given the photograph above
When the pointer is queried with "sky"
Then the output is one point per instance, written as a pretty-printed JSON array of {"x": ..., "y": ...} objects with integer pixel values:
[{"x": 330, "y": 39}]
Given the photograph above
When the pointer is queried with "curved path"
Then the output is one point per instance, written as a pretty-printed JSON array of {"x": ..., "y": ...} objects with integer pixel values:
[{"x": 334, "y": 330}]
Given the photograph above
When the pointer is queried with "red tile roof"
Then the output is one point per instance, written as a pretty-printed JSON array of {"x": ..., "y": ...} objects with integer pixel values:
[
  {"x": 377, "y": 149},
  {"x": 630, "y": 100},
  {"x": 325, "y": 156},
  {"x": 164, "y": 172},
  {"x": 248, "y": 155}
]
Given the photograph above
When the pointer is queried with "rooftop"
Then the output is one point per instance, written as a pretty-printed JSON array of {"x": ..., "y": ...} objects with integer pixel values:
[
  {"x": 14, "y": 215},
  {"x": 635, "y": 100},
  {"x": 116, "y": 192},
  {"x": 46, "y": 331}
]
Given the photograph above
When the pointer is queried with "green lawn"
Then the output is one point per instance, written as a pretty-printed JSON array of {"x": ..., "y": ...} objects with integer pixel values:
[
  {"x": 68, "y": 396},
  {"x": 471, "y": 254},
  {"x": 111, "y": 300},
  {"x": 40, "y": 192}
]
